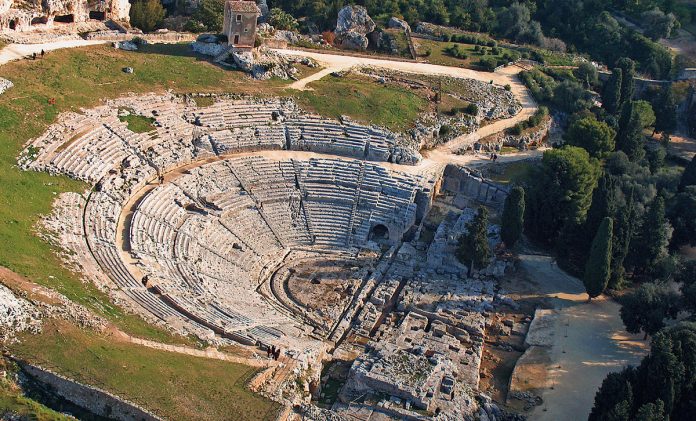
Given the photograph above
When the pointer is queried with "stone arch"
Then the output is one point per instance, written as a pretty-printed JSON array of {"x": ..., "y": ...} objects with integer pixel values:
[{"x": 379, "y": 232}]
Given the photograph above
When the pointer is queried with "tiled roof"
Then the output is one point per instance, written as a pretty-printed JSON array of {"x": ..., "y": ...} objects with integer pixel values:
[{"x": 244, "y": 7}]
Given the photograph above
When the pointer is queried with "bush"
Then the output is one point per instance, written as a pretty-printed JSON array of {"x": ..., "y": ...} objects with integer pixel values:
[
  {"x": 508, "y": 87},
  {"x": 471, "y": 109},
  {"x": 329, "y": 37},
  {"x": 454, "y": 51},
  {"x": 208, "y": 17},
  {"x": 489, "y": 63},
  {"x": 281, "y": 20},
  {"x": 147, "y": 14}
]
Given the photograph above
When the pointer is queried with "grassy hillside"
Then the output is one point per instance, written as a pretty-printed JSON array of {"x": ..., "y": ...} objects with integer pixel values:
[{"x": 173, "y": 386}]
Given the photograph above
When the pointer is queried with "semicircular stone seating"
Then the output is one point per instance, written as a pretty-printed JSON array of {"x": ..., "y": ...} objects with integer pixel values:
[{"x": 201, "y": 243}]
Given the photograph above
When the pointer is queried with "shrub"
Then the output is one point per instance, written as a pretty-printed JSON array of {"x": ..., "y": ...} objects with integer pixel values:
[
  {"x": 471, "y": 109},
  {"x": 508, "y": 87},
  {"x": 208, "y": 17},
  {"x": 282, "y": 20},
  {"x": 329, "y": 37},
  {"x": 147, "y": 14}
]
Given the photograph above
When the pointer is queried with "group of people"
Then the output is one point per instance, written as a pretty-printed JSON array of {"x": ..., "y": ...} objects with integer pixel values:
[
  {"x": 494, "y": 157},
  {"x": 33, "y": 55},
  {"x": 273, "y": 352}
]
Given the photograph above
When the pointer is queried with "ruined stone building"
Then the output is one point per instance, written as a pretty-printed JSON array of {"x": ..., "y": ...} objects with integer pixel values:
[
  {"x": 240, "y": 23},
  {"x": 27, "y": 15}
]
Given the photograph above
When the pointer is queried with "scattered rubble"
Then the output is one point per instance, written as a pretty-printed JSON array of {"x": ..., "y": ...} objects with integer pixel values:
[
  {"x": 5, "y": 85},
  {"x": 16, "y": 315}
]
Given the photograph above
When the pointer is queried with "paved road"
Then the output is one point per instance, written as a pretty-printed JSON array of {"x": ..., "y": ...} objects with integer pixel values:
[{"x": 589, "y": 342}]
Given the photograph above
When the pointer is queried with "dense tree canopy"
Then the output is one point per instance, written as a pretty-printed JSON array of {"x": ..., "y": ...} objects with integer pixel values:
[
  {"x": 513, "y": 217},
  {"x": 596, "y": 137},
  {"x": 147, "y": 14},
  {"x": 561, "y": 192}
]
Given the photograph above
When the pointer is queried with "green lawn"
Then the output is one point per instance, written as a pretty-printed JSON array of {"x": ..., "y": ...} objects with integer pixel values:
[
  {"x": 514, "y": 172},
  {"x": 363, "y": 99},
  {"x": 173, "y": 386},
  {"x": 438, "y": 55},
  {"x": 137, "y": 123}
]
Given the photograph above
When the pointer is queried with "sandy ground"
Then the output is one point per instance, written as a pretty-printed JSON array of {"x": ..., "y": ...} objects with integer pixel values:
[{"x": 589, "y": 342}]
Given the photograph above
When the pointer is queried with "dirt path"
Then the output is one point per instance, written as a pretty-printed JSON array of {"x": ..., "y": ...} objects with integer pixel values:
[
  {"x": 14, "y": 52},
  {"x": 589, "y": 342},
  {"x": 506, "y": 76}
]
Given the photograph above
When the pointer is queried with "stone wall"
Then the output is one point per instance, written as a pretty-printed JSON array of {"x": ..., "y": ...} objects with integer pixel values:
[
  {"x": 95, "y": 400},
  {"x": 465, "y": 184}
]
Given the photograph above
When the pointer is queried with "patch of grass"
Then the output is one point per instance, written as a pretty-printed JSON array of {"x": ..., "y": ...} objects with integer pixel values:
[
  {"x": 364, "y": 100},
  {"x": 439, "y": 56},
  {"x": 513, "y": 172},
  {"x": 138, "y": 123},
  {"x": 13, "y": 401},
  {"x": 172, "y": 385}
]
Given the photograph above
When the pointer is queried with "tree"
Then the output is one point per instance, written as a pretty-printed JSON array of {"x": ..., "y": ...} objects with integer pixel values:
[
  {"x": 281, "y": 20},
  {"x": 655, "y": 154},
  {"x": 653, "y": 238},
  {"x": 624, "y": 229},
  {"x": 686, "y": 277},
  {"x": 682, "y": 216},
  {"x": 598, "y": 267},
  {"x": 661, "y": 388},
  {"x": 651, "y": 412},
  {"x": 587, "y": 74},
  {"x": 147, "y": 14},
  {"x": 657, "y": 24},
  {"x": 665, "y": 107},
  {"x": 560, "y": 192},
  {"x": 473, "y": 245},
  {"x": 688, "y": 177},
  {"x": 614, "y": 398},
  {"x": 513, "y": 217},
  {"x": 596, "y": 137},
  {"x": 647, "y": 307},
  {"x": 208, "y": 16},
  {"x": 628, "y": 73},
  {"x": 611, "y": 96},
  {"x": 629, "y": 138}
]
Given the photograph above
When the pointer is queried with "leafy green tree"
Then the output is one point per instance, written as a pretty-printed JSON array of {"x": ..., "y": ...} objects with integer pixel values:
[
  {"x": 587, "y": 74},
  {"x": 208, "y": 16},
  {"x": 598, "y": 267},
  {"x": 688, "y": 177},
  {"x": 611, "y": 96},
  {"x": 473, "y": 245},
  {"x": 281, "y": 20},
  {"x": 594, "y": 136},
  {"x": 560, "y": 192},
  {"x": 647, "y": 307},
  {"x": 147, "y": 14},
  {"x": 614, "y": 398},
  {"x": 513, "y": 217},
  {"x": 651, "y": 412},
  {"x": 657, "y": 24},
  {"x": 653, "y": 238},
  {"x": 682, "y": 216}
]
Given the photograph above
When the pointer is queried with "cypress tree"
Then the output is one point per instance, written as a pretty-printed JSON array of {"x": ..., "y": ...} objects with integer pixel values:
[
  {"x": 630, "y": 136},
  {"x": 611, "y": 96},
  {"x": 473, "y": 245},
  {"x": 513, "y": 217},
  {"x": 688, "y": 177},
  {"x": 624, "y": 229},
  {"x": 653, "y": 239},
  {"x": 628, "y": 73},
  {"x": 597, "y": 269},
  {"x": 666, "y": 111}
]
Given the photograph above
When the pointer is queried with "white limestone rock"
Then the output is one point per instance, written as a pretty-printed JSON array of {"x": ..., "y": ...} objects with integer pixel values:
[
  {"x": 126, "y": 45},
  {"x": 208, "y": 49},
  {"x": 16, "y": 314},
  {"x": 396, "y": 23},
  {"x": 5, "y": 85},
  {"x": 354, "y": 41},
  {"x": 354, "y": 19}
]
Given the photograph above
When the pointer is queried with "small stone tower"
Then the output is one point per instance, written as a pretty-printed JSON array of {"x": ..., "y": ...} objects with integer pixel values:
[{"x": 240, "y": 23}]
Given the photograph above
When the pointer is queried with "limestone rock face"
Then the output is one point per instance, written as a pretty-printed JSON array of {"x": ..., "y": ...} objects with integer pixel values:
[
  {"x": 397, "y": 23},
  {"x": 65, "y": 7},
  {"x": 354, "y": 19},
  {"x": 354, "y": 41},
  {"x": 5, "y": 5}
]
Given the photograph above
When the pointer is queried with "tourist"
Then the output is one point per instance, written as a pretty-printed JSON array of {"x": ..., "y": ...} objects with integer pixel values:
[{"x": 43, "y": 53}]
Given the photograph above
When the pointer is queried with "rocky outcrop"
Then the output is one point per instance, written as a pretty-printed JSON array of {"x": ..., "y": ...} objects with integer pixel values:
[
  {"x": 16, "y": 315},
  {"x": 23, "y": 16},
  {"x": 354, "y": 19},
  {"x": 354, "y": 41},
  {"x": 397, "y": 23},
  {"x": 352, "y": 27}
]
